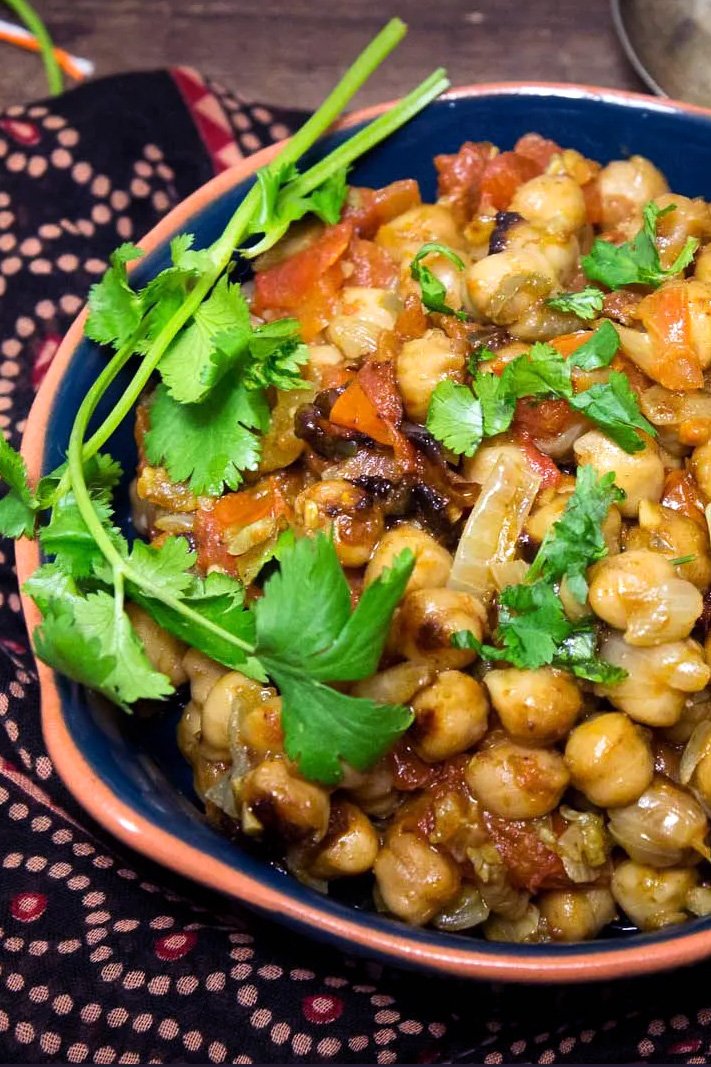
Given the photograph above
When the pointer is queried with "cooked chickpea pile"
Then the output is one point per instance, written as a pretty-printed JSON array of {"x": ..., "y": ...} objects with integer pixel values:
[{"x": 523, "y": 804}]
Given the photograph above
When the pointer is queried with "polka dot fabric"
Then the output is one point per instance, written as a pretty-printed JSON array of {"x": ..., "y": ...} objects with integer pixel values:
[{"x": 103, "y": 957}]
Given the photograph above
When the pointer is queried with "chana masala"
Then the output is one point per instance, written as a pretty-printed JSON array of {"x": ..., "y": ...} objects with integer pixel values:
[{"x": 506, "y": 387}]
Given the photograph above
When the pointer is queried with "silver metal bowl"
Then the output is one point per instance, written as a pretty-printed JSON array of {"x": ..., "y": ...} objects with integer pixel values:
[{"x": 669, "y": 44}]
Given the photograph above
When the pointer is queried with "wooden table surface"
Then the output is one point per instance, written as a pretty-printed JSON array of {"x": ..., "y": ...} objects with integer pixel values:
[{"x": 291, "y": 51}]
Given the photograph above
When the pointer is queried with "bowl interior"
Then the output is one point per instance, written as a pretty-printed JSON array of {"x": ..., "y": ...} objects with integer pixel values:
[{"x": 139, "y": 760}]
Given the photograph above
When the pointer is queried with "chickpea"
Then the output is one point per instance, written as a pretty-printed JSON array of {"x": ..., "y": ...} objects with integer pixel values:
[
  {"x": 451, "y": 716},
  {"x": 696, "y": 763},
  {"x": 517, "y": 782},
  {"x": 348, "y": 512},
  {"x": 576, "y": 914},
  {"x": 405, "y": 235},
  {"x": 188, "y": 732},
  {"x": 395, "y": 685},
  {"x": 610, "y": 759},
  {"x": 551, "y": 201},
  {"x": 489, "y": 458},
  {"x": 625, "y": 186},
  {"x": 432, "y": 562},
  {"x": 427, "y": 621},
  {"x": 638, "y": 592},
  {"x": 640, "y": 475},
  {"x": 422, "y": 364},
  {"x": 374, "y": 790},
  {"x": 676, "y": 536},
  {"x": 697, "y": 708},
  {"x": 650, "y": 897},
  {"x": 260, "y": 724},
  {"x": 665, "y": 826},
  {"x": 536, "y": 707},
  {"x": 658, "y": 679},
  {"x": 231, "y": 696},
  {"x": 415, "y": 880},
  {"x": 698, "y": 294},
  {"x": 560, "y": 250},
  {"x": 203, "y": 673},
  {"x": 702, "y": 268},
  {"x": 165, "y": 653},
  {"x": 350, "y": 845},
  {"x": 364, "y": 313},
  {"x": 505, "y": 286},
  {"x": 275, "y": 799},
  {"x": 690, "y": 218},
  {"x": 700, "y": 465}
]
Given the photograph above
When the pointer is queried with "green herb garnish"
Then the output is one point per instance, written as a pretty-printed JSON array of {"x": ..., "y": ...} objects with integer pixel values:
[
  {"x": 636, "y": 262},
  {"x": 432, "y": 290},
  {"x": 586, "y": 304},
  {"x": 191, "y": 325}
]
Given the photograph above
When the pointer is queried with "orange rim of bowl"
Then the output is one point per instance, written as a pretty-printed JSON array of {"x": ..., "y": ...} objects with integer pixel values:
[{"x": 170, "y": 851}]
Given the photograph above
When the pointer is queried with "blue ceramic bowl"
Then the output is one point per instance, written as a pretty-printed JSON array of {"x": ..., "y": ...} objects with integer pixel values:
[{"x": 129, "y": 775}]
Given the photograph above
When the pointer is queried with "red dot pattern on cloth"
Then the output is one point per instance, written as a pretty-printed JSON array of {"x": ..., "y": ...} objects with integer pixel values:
[
  {"x": 175, "y": 946},
  {"x": 322, "y": 1008},
  {"x": 26, "y": 907},
  {"x": 25, "y": 133}
]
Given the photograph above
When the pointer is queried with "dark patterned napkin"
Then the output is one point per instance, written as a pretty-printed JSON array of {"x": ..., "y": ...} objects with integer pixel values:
[{"x": 105, "y": 958}]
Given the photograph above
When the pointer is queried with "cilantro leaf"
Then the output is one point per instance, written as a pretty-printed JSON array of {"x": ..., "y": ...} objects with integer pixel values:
[
  {"x": 498, "y": 403},
  {"x": 186, "y": 366},
  {"x": 219, "y": 602},
  {"x": 586, "y": 304},
  {"x": 481, "y": 354},
  {"x": 576, "y": 540},
  {"x": 115, "y": 309},
  {"x": 432, "y": 291},
  {"x": 614, "y": 407},
  {"x": 281, "y": 203},
  {"x": 324, "y": 728},
  {"x": 532, "y": 624},
  {"x": 599, "y": 351},
  {"x": 167, "y": 566},
  {"x": 455, "y": 418},
  {"x": 208, "y": 444},
  {"x": 356, "y": 651},
  {"x": 18, "y": 506},
  {"x": 636, "y": 262},
  {"x": 307, "y": 634},
  {"x": 91, "y": 641},
  {"x": 67, "y": 537},
  {"x": 540, "y": 373},
  {"x": 277, "y": 353},
  {"x": 579, "y": 655}
]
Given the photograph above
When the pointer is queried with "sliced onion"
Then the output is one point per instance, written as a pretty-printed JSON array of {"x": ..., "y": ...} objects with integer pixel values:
[
  {"x": 494, "y": 526},
  {"x": 516, "y": 931},
  {"x": 513, "y": 572},
  {"x": 465, "y": 911},
  {"x": 663, "y": 407},
  {"x": 696, "y": 748}
]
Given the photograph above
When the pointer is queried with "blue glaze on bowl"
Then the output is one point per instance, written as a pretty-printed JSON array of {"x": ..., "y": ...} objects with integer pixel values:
[{"x": 139, "y": 762}]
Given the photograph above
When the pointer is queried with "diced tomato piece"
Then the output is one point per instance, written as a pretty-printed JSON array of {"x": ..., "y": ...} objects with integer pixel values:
[
  {"x": 538, "y": 461},
  {"x": 502, "y": 177},
  {"x": 369, "y": 209},
  {"x": 593, "y": 201},
  {"x": 209, "y": 543},
  {"x": 682, "y": 494},
  {"x": 665, "y": 316},
  {"x": 531, "y": 863},
  {"x": 373, "y": 266},
  {"x": 355, "y": 411},
  {"x": 307, "y": 284},
  {"x": 408, "y": 770},
  {"x": 544, "y": 418},
  {"x": 459, "y": 175},
  {"x": 538, "y": 149},
  {"x": 378, "y": 382},
  {"x": 568, "y": 343},
  {"x": 234, "y": 511},
  {"x": 412, "y": 320}
]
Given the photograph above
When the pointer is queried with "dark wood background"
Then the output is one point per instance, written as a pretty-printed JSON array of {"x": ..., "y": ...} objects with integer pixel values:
[{"x": 291, "y": 51}]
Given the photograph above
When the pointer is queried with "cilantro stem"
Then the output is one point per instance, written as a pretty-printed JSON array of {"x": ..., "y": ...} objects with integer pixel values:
[
  {"x": 356, "y": 75},
  {"x": 36, "y": 26},
  {"x": 121, "y": 568},
  {"x": 342, "y": 157}
]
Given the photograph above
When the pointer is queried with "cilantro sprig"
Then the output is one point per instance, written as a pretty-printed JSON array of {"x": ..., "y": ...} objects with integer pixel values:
[
  {"x": 636, "y": 262},
  {"x": 533, "y": 629},
  {"x": 460, "y": 417},
  {"x": 586, "y": 304},
  {"x": 191, "y": 325},
  {"x": 432, "y": 290}
]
